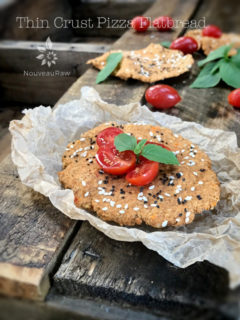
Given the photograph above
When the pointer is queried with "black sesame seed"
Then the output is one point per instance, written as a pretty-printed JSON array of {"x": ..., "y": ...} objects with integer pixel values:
[
  {"x": 180, "y": 214},
  {"x": 145, "y": 202},
  {"x": 178, "y": 175},
  {"x": 179, "y": 201},
  {"x": 158, "y": 206},
  {"x": 199, "y": 197},
  {"x": 101, "y": 171},
  {"x": 123, "y": 197},
  {"x": 185, "y": 209},
  {"x": 202, "y": 170},
  {"x": 150, "y": 194},
  {"x": 155, "y": 201},
  {"x": 183, "y": 179},
  {"x": 184, "y": 201}
]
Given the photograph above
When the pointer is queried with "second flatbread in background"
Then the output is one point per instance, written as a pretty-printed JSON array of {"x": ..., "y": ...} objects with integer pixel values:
[
  {"x": 154, "y": 63},
  {"x": 209, "y": 44}
]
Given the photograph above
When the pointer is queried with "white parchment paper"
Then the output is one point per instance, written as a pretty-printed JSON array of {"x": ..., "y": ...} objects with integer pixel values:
[{"x": 40, "y": 138}]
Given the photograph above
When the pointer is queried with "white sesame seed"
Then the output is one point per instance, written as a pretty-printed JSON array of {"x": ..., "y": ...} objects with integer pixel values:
[
  {"x": 84, "y": 183},
  {"x": 67, "y": 149},
  {"x": 96, "y": 200},
  {"x": 191, "y": 163},
  {"x": 153, "y": 205},
  {"x": 160, "y": 197},
  {"x": 165, "y": 223},
  {"x": 193, "y": 188},
  {"x": 112, "y": 203},
  {"x": 188, "y": 214},
  {"x": 151, "y": 134},
  {"x": 183, "y": 150},
  {"x": 195, "y": 173},
  {"x": 100, "y": 182},
  {"x": 105, "y": 208},
  {"x": 86, "y": 194},
  {"x": 146, "y": 206},
  {"x": 178, "y": 220},
  {"x": 118, "y": 206},
  {"x": 176, "y": 135},
  {"x": 126, "y": 206},
  {"x": 87, "y": 148},
  {"x": 151, "y": 187},
  {"x": 84, "y": 154},
  {"x": 136, "y": 209},
  {"x": 121, "y": 211},
  {"x": 167, "y": 194},
  {"x": 72, "y": 146},
  {"x": 188, "y": 198},
  {"x": 200, "y": 182},
  {"x": 82, "y": 139},
  {"x": 187, "y": 220},
  {"x": 186, "y": 157}
]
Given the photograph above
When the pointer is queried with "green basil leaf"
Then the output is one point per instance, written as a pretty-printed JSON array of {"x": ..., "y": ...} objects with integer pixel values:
[
  {"x": 112, "y": 62},
  {"x": 236, "y": 58},
  {"x": 230, "y": 73},
  {"x": 216, "y": 67},
  {"x": 166, "y": 44},
  {"x": 205, "y": 78},
  {"x": 139, "y": 146},
  {"x": 216, "y": 54},
  {"x": 157, "y": 153},
  {"x": 125, "y": 142}
]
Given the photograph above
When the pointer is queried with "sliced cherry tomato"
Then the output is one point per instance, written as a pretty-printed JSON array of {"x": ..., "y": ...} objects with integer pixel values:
[
  {"x": 163, "y": 23},
  {"x": 106, "y": 136},
  {"x": 140, "y": 24},
  {"x": 185, "y": 44},
  {"x": 212, "y": 31},
  {"x": 114, "y": 162},
  {"x": 145, "y": 171},
  {"x": 234, "y": 98},
  {"x": 162, "y": 96}
]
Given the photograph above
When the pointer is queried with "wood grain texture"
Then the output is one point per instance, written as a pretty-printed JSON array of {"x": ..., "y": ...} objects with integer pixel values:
[
  {"x": 96, "y": 266},
  {"x": 22, "y": 73},
  {"x": 32, "y": 234}
]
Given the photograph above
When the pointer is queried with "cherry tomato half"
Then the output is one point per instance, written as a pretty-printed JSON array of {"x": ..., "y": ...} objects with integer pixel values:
[
  {"x": 162, "y": 96},
  {"x": 185, "y": 44},
  {"x": 145, "y": 171},
  {"x": 114, "y": 162},
  {"x": 106, "y": 136},
  {"x": 140, "y": 24},
  {"x": 212, "y": 31},
  {"x": 163, "y": 23},
  {"x": 234, "y": 98}
]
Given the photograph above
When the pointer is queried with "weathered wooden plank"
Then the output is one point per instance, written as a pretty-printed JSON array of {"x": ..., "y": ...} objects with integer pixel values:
[
  {"x": 62, "y": 308},
  {"x": 23, "y": 74},
  {"x": 96, "y": 266},
  {"x": 32, "y": 235}
]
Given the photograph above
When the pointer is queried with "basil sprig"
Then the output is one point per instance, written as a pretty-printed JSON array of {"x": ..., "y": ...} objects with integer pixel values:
[
  {"x": 113, "y": 61},
  {"x": 219, "y": 66},
  {"x": 154, "y": 152}
]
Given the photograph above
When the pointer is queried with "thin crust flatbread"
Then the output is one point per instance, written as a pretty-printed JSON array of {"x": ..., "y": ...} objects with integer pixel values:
[
  {"x": 173, "y": 198},
  {"x": 151, "y": 64}
]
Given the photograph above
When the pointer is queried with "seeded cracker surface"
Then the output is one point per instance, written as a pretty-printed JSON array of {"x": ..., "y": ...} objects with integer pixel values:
[
  {"x": 151, "y": 64},
  {"x": 208, "y": 44},
  {"x": 172, "y": 199}
]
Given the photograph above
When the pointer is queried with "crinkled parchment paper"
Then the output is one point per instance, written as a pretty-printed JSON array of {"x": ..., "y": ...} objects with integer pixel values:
[{"x": 40, "y": 138}]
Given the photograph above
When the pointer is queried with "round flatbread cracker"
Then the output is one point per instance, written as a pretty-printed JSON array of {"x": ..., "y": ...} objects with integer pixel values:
[{"x": 172, "y": 199}]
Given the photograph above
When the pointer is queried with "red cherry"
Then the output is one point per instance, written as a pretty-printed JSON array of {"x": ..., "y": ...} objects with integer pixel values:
[
  {"x": 140, "y": 24},
  {"x": 185, "y": 44},
  {"x": 163, "y": 23},
  {"x": 212, "y": 31},
  {"x": 162, "y": 96},
  {"x": 234, "y": 98}
]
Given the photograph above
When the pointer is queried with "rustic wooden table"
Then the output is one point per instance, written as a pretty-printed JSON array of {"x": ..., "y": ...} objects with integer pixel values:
[{"x": 63, "y": 269}]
